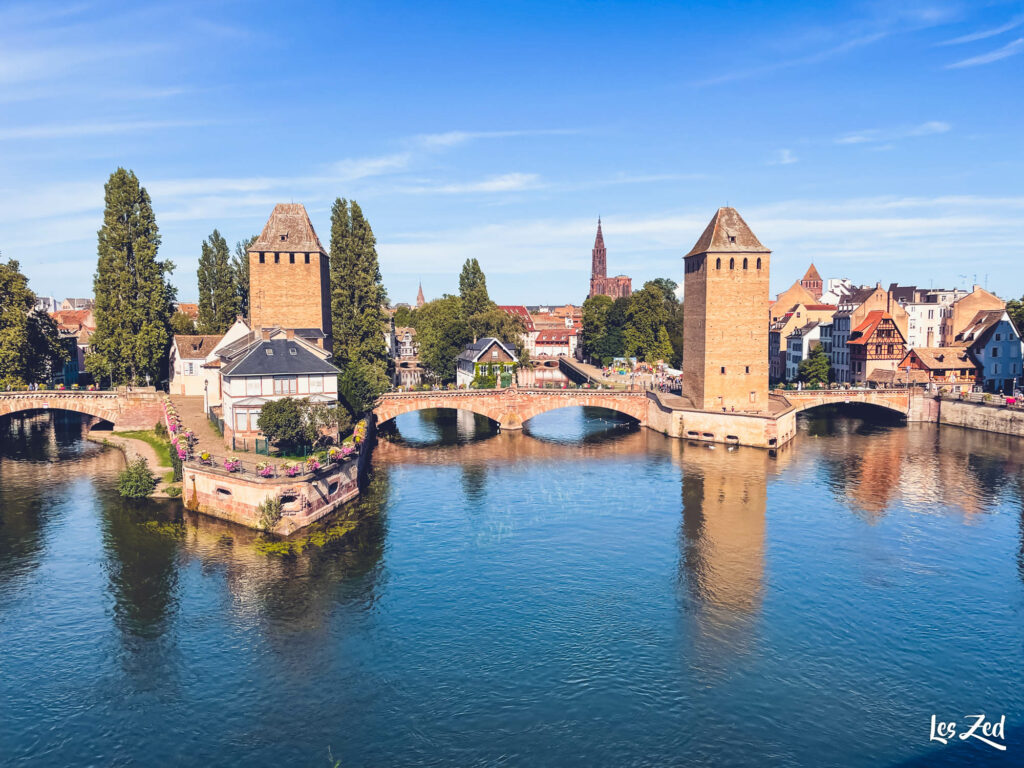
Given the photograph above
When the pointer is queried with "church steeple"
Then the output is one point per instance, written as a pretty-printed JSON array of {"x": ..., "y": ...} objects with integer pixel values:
[
  {"x": 599, "y": 256},
  {"x": 420, "y": 301}
]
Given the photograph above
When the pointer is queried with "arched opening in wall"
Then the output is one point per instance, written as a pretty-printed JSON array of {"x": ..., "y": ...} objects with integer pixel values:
[
  {"x": 50, "y": 434},
  {"x": 575, "y": 424},
  {"x": 718, "y": 263},
  {"x": 431, "y": 427},
  {"x": 849, "y": 418},
  {"x": 744, "y": 263},
  {"x": 732, "y": 263},
  {"x": 758, "y": 262}
]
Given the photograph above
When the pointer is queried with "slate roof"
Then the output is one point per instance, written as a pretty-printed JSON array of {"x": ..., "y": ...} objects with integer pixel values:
[
  {"x": 980, "y": 328},
  {"x": 291, "y": 222},
  {"x": 286, "y": 357},
  {"x": 192, "y": 347},
  {"x": 727, "y": 232},
  {"x": 472, "y": 352}
]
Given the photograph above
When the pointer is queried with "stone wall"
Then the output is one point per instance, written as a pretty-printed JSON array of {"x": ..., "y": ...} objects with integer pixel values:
[
  {"x": 759, "y": 431},
  {"x": 991, "y": 418}
]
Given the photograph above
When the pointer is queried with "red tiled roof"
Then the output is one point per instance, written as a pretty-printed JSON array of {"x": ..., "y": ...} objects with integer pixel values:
[
  {"x": 71, "y": 318},
  {"x": 555, "y": 336},
  {"x": 867, "y": 328},
  {"x": 822, "y": 307},
  {"x": 518, "y": 310},
  {"x": 192, "y": 310},
  {"x": 193, "y": 347},
  {"x": 812, "y": 274}
]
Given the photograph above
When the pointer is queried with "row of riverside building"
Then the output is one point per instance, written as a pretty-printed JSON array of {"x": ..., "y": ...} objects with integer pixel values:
[{"x": 902, "y": 335}]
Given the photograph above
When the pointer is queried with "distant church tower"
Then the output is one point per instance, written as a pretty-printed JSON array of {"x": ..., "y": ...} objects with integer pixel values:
[
  {"x": 290, "y": 277},
  {"x": 420, "y": 301},
  {"x": 812, "y": 282},
  {"x": 600, "y": 284},
  {"x": 725, "y": 333}
]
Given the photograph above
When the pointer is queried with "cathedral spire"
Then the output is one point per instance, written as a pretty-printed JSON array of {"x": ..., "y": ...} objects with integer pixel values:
[
  {"x": 599, "y": 256},
  {"x": 420, "y": 301}
]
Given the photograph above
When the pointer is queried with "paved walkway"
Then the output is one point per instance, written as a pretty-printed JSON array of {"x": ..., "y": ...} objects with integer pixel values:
[{"x": 190, "y": 409}]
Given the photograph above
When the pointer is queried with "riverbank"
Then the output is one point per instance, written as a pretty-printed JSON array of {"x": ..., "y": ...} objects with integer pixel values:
[{"x": 133, "y": 448}]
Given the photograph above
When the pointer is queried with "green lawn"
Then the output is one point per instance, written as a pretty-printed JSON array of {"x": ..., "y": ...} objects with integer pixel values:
[{"x": 162, "y": 447}]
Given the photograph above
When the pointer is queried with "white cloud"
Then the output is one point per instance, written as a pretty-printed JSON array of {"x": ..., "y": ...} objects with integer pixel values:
[
  {"x": 783, "y": 157},
  {"x": 508, "y": 182},
  {"x": 361, "y": 168},
  {"x": 93, "y": 129},
  {"x": 984, "y": 34},
  {"x": 1010, "y": 49},
  {"x": 930, "y": 128},
  {"x": 433, "y": 141}
]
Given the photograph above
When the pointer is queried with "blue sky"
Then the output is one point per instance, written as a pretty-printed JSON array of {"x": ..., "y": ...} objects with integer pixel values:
[{"x": 881, "y": 140}]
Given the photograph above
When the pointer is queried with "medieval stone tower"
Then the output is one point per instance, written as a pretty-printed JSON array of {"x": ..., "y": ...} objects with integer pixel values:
[
  {"x": 290, "y": 277},
  {"x": 725, "y": 328}
]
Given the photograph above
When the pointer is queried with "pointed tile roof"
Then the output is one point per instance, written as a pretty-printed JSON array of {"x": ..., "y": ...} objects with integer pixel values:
[
  {"x": 420, "y": 301},
  {"x": 727, "y": 232},
  {"x": 288, "y": 229},
  {"x": 812, "y": 274}
]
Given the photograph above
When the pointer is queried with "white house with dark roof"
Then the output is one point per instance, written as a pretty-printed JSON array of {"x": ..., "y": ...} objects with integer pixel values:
[
  {"x": 486, "y": 357},
  {"x": 272, "y": 365},
  {"x": 189, "y": 369}
]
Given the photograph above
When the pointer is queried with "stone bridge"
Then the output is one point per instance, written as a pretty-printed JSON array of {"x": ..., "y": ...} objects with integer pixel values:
[
  {"x": 511, "y": 407},
  {"x": 126, "y": 410},
  {"x": 898, "y": 400}
]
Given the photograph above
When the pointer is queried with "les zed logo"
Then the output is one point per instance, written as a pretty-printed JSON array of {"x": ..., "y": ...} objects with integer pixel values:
[{"x": 981, "y": 729}]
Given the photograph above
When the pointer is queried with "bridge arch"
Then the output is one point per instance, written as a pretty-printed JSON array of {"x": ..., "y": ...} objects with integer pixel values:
[
  {"x": 885, "y": 407},
  {"x": 100, "y": 408},
  {"x": 391, "y": 412}
]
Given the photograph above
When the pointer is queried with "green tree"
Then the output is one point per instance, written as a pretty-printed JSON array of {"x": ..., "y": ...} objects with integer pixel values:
[
  {"x": 404, "y": 316},
  {"x": 614, "y": 343},
  {"x": 218, "y": 303},
  {"x": 359, "y": 385},
  {"x": 442, "y": 334},
  {"x": 134, "y": 298},
  {"x": 815, "y": 368},
  {"x": 46, "y": 353},
  {"x": 240, "y": 274},
  {"x": 16, "y": 302},
  {"x": 645, "y": 334},
  {"x": 136, "y": 481},
  {"x": 182, "y": 324},
  {"x": 473, "y": 293},
  {"x": 595, "y": 326},
  {"x": 674, "y": 321},
  {"x": 1015, "y": 309},
  {"x": 283, "y": 422}
]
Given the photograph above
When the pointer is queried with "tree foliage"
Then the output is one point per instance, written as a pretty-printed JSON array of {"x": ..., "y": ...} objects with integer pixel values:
[
  {"x": 182, "y": 324},
  {"x": 815, "y": 368},
  {"x": 594, "y": 335},
  {"x": 645, "y": 336},
  {"x": 134, "y": 298},
  {"x": 218, "y": 304},
  {"x": 30, "y": 347},
  {"x": 1015, "y": 309},
  {"x": 136, "y": 481},
  {"x": 293, "y": 422},
  {"x": 359, "y": 385},
  {"x": 240, "y": 274},
  {"x": 404, "y": 316},
  {"x": 442, "y": 334}
]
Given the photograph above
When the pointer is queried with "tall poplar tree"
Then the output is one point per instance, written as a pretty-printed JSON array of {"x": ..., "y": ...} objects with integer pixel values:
[
  {"x": 134, "y": 298},
  {"x": 357, "y": 305},
  {"x": 240, "y": 271},
  {"x": 218, "y": 304}
]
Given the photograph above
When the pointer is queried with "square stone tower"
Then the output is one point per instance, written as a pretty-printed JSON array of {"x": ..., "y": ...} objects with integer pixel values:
[
  {"x": 725, "y": 319},
  {"x": 290, "y": 277}
]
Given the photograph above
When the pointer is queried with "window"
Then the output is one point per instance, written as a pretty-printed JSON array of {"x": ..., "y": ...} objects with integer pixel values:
[
  {"x": 293, "y": 351},
  {"x": 997, "y": 337},
  {"x": 494, "y": 353},
  {"x": 291, "y": 258},
  {"x": 316, "y": 383},
  {"x": 252, "y": 386},
  {"x": 732, "y": 263},
  {"x": 744, "y": 263},
  {"x": 190, "y": 369},
  {"x": 723, "y": 369},
  {"x": 307, "y": 258},
  {"x": 284, "y": 238},
  {"x": 285, "y": 385},
  {"x": 748, "y": 369},
  {"x": 270, "y": 352},
  {"x": 241, "y": 421},
  {"x": 759, "y": 262},
  {"x": 995, "y": 351},
  {"x": 277, "y": 258},
  {"x": 262, "y": 259}
]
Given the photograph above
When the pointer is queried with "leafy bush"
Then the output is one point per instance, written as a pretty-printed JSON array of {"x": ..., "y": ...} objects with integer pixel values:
[
  {"x": 360, "y": 385},
  {"x": 284, "y": 423},
  {"x": 270, "y": 512},
  {"x": 136, "y": 481},
  {"x": 161, "y": 430},
  {"x": 174, "y": 491}
]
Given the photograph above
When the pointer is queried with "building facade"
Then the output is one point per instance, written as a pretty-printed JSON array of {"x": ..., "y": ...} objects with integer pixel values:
[
  {"x": 799, "y": 344},
  {"x": 725, "y": 365},
  {"x": 486, "y": 357},
  {"x": 289, "y": 277},
  {"x": 617, "y": 287},
  {"x": 876, "y": 344},
  {"x": 993, "y": 341}
]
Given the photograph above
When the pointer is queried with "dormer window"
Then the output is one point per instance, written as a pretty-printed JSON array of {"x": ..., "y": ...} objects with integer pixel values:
[
  {"x": 284, "y": 238},
  {"x": 292, "y": 351},
  {"x": 732, "y": 239},
  {"x": 270, "y": 352}
]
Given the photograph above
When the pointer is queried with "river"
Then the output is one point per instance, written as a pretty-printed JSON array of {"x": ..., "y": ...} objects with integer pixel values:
[{"x": 584, "y": 593}]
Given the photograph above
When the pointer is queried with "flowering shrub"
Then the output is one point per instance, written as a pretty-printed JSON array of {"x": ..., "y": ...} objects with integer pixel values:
[
  {"x": 205, "y": 457},
  {"x": 232, "y": 464},
  {"x": 291, "y": 469},
  {"x": 347, "y": 450},
  {"x": 182, "y": 453},
  {"x": 173, "y": 427},
  {"x": 264, "y": 470},
  {"x": 312, "y": 464}
]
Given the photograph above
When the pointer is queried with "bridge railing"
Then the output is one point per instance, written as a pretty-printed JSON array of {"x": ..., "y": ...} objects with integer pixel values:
[{"x": 267, "y": 470}]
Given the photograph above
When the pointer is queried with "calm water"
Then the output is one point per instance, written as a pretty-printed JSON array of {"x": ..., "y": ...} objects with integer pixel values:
[{"x": 586, "y": 594}]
